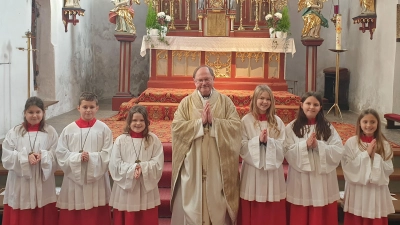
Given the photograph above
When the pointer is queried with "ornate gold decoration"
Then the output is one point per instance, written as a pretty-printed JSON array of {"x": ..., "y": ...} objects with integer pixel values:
[
  {"x": 193, "y": 55},
  {"x": 216, "y": 4},
  {"x": 218, "y": 64},
  {"x": 162, "y": 54},
  {"x": 29, "y": 36},
  {"x": 250, "y": 55},
  {"x": 280, "y": 4},
  {"x": 216, "y": 24},
  {"x": 273, "y": 56}
]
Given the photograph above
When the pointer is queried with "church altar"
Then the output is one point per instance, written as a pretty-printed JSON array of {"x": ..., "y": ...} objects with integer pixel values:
[
  {"x": 239, "y": 63},
  {"x": 219, "y": 44}
]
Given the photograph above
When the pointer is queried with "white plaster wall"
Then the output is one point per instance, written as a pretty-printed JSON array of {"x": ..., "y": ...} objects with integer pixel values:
[
  {"x": 396, "y": 80},
  {"x": 372, "y": 62},
  {"x": 15, "y": 21}
]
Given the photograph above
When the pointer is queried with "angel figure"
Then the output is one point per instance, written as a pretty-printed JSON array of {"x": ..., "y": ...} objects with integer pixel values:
[
  {"x": 122, "y": 15},
  {"x": 71, "y": 4},
  {"x": 312, "y": 17},
  {"x": 367, "y": 6}
]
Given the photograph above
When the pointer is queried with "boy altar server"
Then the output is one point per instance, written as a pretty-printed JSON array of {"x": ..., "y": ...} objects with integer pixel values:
[{"x": 83, "y": 154}]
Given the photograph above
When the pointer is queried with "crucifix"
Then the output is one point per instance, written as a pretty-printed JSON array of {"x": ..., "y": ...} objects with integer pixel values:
[{"x": 29, "y": 36}]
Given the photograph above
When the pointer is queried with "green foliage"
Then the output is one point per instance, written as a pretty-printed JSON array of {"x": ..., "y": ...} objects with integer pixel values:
[
  {"x": 284, "y": 23},
  {"x": 151, "y": 19}
]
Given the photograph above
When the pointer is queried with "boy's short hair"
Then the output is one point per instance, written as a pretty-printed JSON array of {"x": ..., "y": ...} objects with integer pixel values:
[{"x": 88, "y": 96}]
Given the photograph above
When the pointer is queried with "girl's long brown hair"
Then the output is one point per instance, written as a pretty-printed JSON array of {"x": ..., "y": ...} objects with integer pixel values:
[
  {"x": 273, "y": 124},
  {"x": 142, "y": 110},
  {"x": 322, "y": 126},
  {"x": 33, "y": 101},
  {"x": 379, "y": 137}
]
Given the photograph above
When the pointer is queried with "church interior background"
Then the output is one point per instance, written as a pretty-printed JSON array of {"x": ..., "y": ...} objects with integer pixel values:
[{"x": 86, "y": 57}]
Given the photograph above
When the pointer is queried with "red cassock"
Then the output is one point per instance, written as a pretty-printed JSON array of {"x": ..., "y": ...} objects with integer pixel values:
[
  {"x": 148, "y": 217},
  {"x": 100, "y": 215},
  {"x": 310, "y": 215},
  {"x": 47, "y": 215},
  {"x": 351, "y": 219},
  {"x": 266, "y": 213}
]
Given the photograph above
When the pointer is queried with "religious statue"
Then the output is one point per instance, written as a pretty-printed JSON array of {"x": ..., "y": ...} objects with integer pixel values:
[
  {"x": 367, "y": 6},
  {"x": 200, "y": 4},
  {"x": 122, "y": 15},
  {"x": 71, "y": 4},
  {"x": 312, "y": 17}
]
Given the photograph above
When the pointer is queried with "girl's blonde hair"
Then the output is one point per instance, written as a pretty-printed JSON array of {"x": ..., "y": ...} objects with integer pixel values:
[
  {"x": 379, "y": 137},
  {"x": 272, "y": 123}
]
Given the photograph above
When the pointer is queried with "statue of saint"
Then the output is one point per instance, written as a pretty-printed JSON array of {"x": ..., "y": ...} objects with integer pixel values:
[
  {"x": 122, "y": 15},
  {"x": 367, "y": 6},
  {"x": 71, "y": 4},
  {"x": 312, "y": 17}
]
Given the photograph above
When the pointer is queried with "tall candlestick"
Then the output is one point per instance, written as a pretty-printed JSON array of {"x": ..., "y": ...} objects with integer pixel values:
[{"x": 338, "y": 32}]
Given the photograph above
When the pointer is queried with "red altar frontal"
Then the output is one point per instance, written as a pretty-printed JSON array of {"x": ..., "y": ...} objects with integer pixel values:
[{"x": 239, "y": 63}]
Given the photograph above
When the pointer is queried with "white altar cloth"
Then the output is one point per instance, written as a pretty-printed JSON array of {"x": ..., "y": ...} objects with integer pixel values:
[{"x": 219, "y": 44}]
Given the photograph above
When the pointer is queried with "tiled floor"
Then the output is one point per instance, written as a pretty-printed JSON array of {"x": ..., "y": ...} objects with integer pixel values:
[{"x": 59, "y": 122}]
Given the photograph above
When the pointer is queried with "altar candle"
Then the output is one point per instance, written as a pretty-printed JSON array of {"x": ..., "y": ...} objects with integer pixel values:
[
  {"x": 336, "y": 9},
  {"x": 338, "y": 32}
]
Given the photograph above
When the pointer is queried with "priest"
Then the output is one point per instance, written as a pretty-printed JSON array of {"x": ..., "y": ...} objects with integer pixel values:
[{"x": 205, "y": 156}]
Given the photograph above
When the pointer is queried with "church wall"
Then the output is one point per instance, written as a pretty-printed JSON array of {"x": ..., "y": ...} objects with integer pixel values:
[
  {"x": 372, "y": 62},
  {"x": 106, "y": 51},
  {"x": 296, "y": 66},
  {"x": 13, "y": 77}
]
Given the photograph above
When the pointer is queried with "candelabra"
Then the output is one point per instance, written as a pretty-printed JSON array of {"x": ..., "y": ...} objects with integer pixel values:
[
  {"x": 241, "y": 15},
  {"x": 172, "y": 24},
  {"x": 187, "y": 15},
  {"x": 256, "y": 25},
  {"x": 29, "y": 36}
]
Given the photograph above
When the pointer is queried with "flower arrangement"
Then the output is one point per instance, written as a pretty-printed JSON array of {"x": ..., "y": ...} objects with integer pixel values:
[
  {"x": 158, "y": 21},
  {"x": 272, "y": 20}
]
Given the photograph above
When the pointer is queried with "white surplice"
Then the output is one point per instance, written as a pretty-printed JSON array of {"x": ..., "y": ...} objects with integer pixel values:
[
  {"x": 85, "y": 184},
  {"x": 366, "y": 192},
  {"x": 312, "y": 179},
  {"x": 29, "y": 186},
  {"x": 262, "y": 177},
  {"x": 130, "y": 194}
]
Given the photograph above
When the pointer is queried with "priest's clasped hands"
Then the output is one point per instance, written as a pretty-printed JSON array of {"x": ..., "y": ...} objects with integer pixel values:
[{"x": 206, "y": 116}]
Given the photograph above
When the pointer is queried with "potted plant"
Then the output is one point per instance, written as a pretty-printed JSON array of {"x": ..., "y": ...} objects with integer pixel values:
[
  {"x": 283, "y": 24},
  {"x": 151, "y": 20}
]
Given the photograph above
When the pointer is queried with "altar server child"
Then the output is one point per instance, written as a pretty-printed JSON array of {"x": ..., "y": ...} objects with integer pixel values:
[
  {"x": 313, "y": 149},
  {"x": 367, "y": 164},
  {"x": 136, "y": 166},
  {"x": 28, "y": 155},
  {"x": 262, "y": 182},
  {"x": 83, "y": 154}
]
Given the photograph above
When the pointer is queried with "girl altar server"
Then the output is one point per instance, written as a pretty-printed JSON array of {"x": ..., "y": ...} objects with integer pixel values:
[
  {"x": 313, "y": 150},
  {"x": 262, "y": 188},
  {"x": 28, "y": 155},
  {"x": 136, "y": 165},
  {"x": 367, "y": 164}
]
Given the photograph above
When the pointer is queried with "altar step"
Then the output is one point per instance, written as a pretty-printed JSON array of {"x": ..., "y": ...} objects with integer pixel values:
[
  {"x": 165, "y": 111},
  {"x": 162, "y": 103}
]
